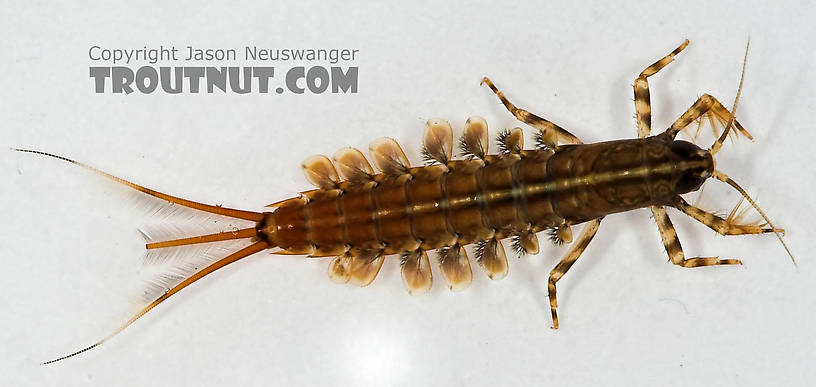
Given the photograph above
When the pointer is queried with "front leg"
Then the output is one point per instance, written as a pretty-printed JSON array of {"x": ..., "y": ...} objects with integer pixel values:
[
  {"x": 551, "y": 133},
  {"x": 705, "y": 105},
  {"x": 718, "y": 224},
  {"x": 675, "y": 250}
]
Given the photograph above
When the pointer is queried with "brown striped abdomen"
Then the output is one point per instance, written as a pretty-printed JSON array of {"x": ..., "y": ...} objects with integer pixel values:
[{"x": 435, "y": 206}]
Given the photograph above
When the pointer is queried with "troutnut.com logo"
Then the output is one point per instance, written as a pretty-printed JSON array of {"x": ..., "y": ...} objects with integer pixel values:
[{"x": 223, "y": 70}]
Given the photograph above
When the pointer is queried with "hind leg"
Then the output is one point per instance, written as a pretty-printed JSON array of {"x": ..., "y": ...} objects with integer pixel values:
[
  {"x": 574, "y": 253},
  {"x": 552, "y": 133},
  {"x": 643, "y": 105},
  {"x": 675, "y": 250}
]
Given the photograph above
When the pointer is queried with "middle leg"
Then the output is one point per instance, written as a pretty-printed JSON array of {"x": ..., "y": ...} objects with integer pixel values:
[
  {"x": 574, "y": 253},
  {"x": 643, "y": 105}
]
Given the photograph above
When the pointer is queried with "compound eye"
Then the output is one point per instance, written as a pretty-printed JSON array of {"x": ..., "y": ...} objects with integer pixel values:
[
  {"x": 690, "y": 181},
  {"x": 684, "y": 149}
]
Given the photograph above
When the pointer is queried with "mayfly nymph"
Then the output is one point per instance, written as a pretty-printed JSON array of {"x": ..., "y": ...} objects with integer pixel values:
[{"x": 356, "y": 215}]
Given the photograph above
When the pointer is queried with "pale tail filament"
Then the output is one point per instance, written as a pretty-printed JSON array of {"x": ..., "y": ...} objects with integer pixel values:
[
  {"x": 229, "y": 235},
  {"x": 240, "y": 214},
  {"x": 221, "y": 236},
  {"x": 245, "y": 252}
]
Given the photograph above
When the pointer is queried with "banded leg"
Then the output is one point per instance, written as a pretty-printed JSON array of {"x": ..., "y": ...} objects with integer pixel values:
[
  {"x": 643, "y": 105},
  {"x": 575, "y": 251},
  {"x": 675, "y": 250},
  {"x": 551, "y": 133},
  {"x": 718, "y": 224},
  {"x": 704, "y": 105}
]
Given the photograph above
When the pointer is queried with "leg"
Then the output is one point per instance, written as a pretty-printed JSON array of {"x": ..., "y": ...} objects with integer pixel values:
[
  {"x": 552, "y": 133},
  {"x": 675, "y": 250},
  {"x": 706, "y": 104},
  {"x": 643, "y": 106},
  {"x": 575, "y": 251},
  {"x": 710, "y": 117},
  {"x": 718, "y": 224}
]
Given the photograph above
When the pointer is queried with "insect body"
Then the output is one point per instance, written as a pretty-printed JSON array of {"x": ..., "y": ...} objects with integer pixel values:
[{"x": 480, "y": 199}]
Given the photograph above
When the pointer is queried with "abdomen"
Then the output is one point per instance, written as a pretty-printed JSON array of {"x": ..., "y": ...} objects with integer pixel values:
[{"x": 469, "y": 202}]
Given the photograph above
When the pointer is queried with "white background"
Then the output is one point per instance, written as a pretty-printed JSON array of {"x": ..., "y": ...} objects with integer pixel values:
[{"x": 628, "y": 316}]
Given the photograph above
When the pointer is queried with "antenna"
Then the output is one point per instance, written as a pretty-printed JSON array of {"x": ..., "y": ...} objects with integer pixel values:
[{"x": 718, "y": 144}]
